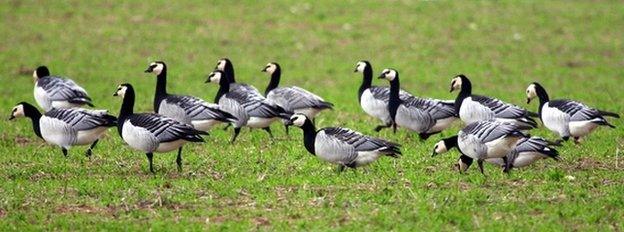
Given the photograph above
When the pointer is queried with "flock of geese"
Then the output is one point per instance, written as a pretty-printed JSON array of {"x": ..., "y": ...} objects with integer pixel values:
[{"x": 495, "y": 131}]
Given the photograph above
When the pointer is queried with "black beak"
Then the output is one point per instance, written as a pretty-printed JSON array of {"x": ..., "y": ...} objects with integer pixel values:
[
  {"x": 288, "y": 123},
  {"x": 382, "y": 76},
  {"x": 149, "y": 69},
  {"x": 451, "y": 89},
  {"x": 207, "y": 80},
  {"x": 264, "y": 69},
  {"x": 355, "y": 70},
  {"x": 528, "y": 100},
  {"x": 115, "y": 94},
  {"x": 433, "y": 153},
  {"x": 12, "y": 117}
]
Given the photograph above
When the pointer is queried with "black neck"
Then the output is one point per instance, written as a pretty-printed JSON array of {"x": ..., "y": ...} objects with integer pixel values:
[
  {"x": 309, "y": 136},
  {"x": 275, "y": 79},
  {"x": 34, "y": 115},
  {"x": 229, "y": 72},
  {"x": 466, "y": 91},
  {"x": 224, "y": 87},
  {"x": 542, "y": 95},
  {"x": 450, "y": 142},
  {"x": 367, "y": 81},
  {"x": 161, "y": 89},
  {"x": 395, "y": 101},
  {"x": 127, "y": 106}
]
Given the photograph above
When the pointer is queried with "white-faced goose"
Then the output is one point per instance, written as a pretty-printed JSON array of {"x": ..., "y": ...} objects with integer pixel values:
[
  {"x": 292, "y": 99},
  {"x": 343, "y": 146},
  {"x": 423, "y": 116},
  {"x": 251, "y": 110},
  {"x": 526, "y": 152},
  {"x": 67, "y": 127},
  {"x": 226, "y": 66},
  {"x": 567, "y": 118},
  {"x": 148, "y": 132},
  {"x": 374, "y": 99},
  {"x": 57, "y": 92},
  {"x": 473, "y": 108}
]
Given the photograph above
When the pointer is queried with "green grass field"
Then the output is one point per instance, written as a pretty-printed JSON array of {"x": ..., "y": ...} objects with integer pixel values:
[{"x": 574, "y": 48}]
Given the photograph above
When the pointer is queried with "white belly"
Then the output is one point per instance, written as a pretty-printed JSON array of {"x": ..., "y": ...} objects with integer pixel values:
[
  {"x": 471, "y": 111},
  {"x": 526, "y": 158},
  {"x": 581, "y": 128},
  {"x": 170, "y": 146},
  {"x": 204, "y": 125},
  {"x": 375, "y": 107},
  {"x": 442, "y": 124},
  {"x": 57, "y": 132},
  {"x": 499, "y": 148},
  {"x": 256, "y": 122},
  {"x": 139, "y": 138},
  {"x": 42, "y": 98},
  {"x": 366, "y": 157},
  {"x": 89, "y": 136}
]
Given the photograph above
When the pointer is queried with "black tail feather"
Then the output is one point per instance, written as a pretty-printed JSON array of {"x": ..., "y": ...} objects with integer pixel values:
[{"x": 608, "y": 114}]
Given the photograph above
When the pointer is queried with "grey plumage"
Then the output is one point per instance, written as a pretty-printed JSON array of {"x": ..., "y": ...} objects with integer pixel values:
[{"x": 58, "y": 92}]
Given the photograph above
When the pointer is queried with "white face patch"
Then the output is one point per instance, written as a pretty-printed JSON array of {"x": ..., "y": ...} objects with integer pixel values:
[
  {"x": 389, "y": 74},
  {"x": 121, "y": 91},
  {"x": 531, "y": 92},
  {"x": 360, "y": 66},
  {"x": 440, "y": 148},
  {"x": 35, "y": 74},
  {"x": 270, "y": 68},
  {"x": 158, "y": 69},
  {"x": 18, "y": 111},
  {"x": 215, "y": 77},
  {"x": 298, "y": 120},
  {"x": 221, "y": 65},
  {"x": 456, "y": 83}
]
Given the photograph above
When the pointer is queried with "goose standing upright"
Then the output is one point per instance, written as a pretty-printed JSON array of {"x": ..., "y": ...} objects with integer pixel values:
[
  {"x": 186, "y": 109},
  {"x": 343, "y": 146},
  {"x": 423, "y": 116},
  {"x": 473, "y": 108},
  {"x": 67, "y": 127},
  {"x": 374, "y": 99},
  {"x": 226, "y": 66},
  {"x": 292, "y": 99},
  {"x": 252, "y": 110},
  {"x": 567, "y": 117},
  {"x": 526, "y": 152},
  {"x": 150, "y": 132},
  {"x": 57, "y": 92}
]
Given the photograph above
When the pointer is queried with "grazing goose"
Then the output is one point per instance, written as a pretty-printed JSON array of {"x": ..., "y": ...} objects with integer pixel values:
[
  {"x": 150, "y": 132},
  {"x": 57, "y": 92},
  {"x": 374, "y": 99},
  {"x": 473, "y": 108},
  {"x": 251, "y": 110},
  {"x": 343, "y": 146},
  {"x": 226, "y": 66},
  {"x": 423, "y": 116},
  {"x": 526, "y": 152},
  {"x": 67, "y": 127},
  {"x": 292, "y": 99},
  {"x": 567, "y": 117},
  {"x": 488, "y": 139}
]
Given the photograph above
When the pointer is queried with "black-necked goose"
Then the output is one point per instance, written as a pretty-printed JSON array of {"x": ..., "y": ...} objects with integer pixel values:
[
  {"x": 226, "y": 66},
  {"x": 343, "y": 146},
  {"x": 292, "y": 99},
  {"x": 186, "y": 109},
  {"x": 567, "y": 118},
  {"x": 57, "y": 92},
  {"x": 526, "y": 152},
  {"x": 473, "y": 108},
  {"x": 251, "y": 110},
  {"x": 488, "y": 139},
  {"x": 67, "y": 127},
  {"x": 374, "y": 99},
  {"x": 423, "y": 116},
  {"x": 148, "y": 132}
]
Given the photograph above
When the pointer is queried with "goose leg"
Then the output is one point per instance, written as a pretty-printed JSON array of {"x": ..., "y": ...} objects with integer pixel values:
[
  {"x": 268, "y": 130},
  {"x": 480, "y": 163},
  {"x": 340, "y": 168},
  {"x": 286, "y": 127},
  {"x": 236, "y": 132},
  {"x": 150, "y": 156},
  {"x": 227, "y": 126},
  {"x": 89, "y": 152},
  {"x": 64, "y": 151},
  {"x": 506, "y": 165},
  {"x": 179, "y": 159},
  {"x": 577, "y": 140},
  {"x": 380, "y": 127}
]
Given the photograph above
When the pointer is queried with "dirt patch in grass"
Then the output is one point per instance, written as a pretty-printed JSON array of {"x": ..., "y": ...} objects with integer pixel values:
[{"x": 3, "y": 213}]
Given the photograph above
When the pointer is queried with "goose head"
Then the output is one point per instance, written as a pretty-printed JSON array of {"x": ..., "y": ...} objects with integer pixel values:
[
  {"x": 121, "y": 90},
  {"x": 270, "y": 68},
  {"x": 41, "y": 71},
  {"x": 216, "y": 76},
  {"x": 444, "y": 145},
  {"x": 223, "y": 63},
  {"x": 531, "y": 92},
  {"x": 389, "y": 74},
  {"x": 18, "y": 111},
  {"x": 457, "y": 81},
  {"x": 298, "y": 120},
  {"x": 361, "y": 66},
  {"x": 156, "y": 67}
]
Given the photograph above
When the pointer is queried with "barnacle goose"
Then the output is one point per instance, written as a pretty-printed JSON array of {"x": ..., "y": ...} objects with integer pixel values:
[
  {"x": 226, "y": 66},
  {"x": 292, "y": 99},
  {"x": 567, "y": 117},
  {"x": 526, "y": 152},
  {"x": 424, "y": 116},
  {"x": 488, "y": 139},
  {"x": 374, "y": 99},
  {"x": 67, "y": 127},
  {"x": 57, "y": 92},
  {"x": 473, "y": 108},
  {"x": 343, "y": 146},
  {"x": 150, "y": 132},
  {"x": 251, "y": 110}
]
